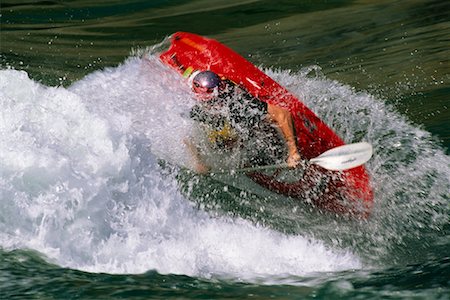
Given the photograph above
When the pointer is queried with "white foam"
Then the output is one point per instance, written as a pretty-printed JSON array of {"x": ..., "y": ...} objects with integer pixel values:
[
  {"x": 214, "y": 247},
  {"x": 81, "y": 183},
  {"x": 80, "y": 180}
]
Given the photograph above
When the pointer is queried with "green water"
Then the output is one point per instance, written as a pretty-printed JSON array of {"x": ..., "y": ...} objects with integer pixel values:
[{"x": 396, "y": 51}]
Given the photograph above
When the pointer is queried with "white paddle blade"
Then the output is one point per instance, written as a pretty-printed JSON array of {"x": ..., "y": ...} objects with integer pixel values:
[{"x": 344, "y": 157}]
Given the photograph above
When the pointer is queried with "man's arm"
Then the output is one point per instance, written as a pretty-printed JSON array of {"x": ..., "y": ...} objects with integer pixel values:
[
  {"x": 199, "y": 166},
  {"x": 283, "y": 119}
]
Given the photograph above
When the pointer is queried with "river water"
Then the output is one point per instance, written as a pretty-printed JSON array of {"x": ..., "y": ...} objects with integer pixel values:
[{"x": 93, "y": 205}]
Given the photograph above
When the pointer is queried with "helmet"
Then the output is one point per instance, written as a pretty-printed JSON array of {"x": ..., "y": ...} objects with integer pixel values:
[{"x": 206, "y": 84}]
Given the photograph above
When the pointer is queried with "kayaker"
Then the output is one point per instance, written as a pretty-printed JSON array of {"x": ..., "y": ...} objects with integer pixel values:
[{"x": 233, "y": 115}]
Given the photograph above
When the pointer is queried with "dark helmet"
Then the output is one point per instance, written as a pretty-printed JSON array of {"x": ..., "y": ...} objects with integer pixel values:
[
  {"x": 206, "y": 85},
  {"x": 206, "y": 79}
]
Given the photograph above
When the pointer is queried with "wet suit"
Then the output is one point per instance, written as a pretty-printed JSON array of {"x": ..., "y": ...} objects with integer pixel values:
[{"x": 236, "y": 119}]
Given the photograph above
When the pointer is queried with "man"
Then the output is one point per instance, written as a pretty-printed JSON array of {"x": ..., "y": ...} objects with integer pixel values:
[{"x": 235, "y": 119}]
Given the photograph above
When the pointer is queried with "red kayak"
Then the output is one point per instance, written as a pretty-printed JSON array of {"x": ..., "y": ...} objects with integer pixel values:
[{"x": 343, "y": 192}]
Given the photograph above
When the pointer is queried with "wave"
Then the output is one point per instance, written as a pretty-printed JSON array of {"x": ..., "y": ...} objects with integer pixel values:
[{"x": 83, "y": 181}]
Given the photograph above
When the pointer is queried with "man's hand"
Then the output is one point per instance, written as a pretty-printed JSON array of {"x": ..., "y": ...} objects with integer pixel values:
[
  {"x": 201, "y": 168},
  {"x": 294, "y": 160}
]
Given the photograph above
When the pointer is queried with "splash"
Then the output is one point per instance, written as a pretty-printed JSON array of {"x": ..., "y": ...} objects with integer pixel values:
[
  {"x": 409, "y": 170},
  {"x": 82, "y": 183}
]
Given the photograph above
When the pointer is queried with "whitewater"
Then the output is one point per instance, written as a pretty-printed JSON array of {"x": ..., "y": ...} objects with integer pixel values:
[{"x": 84, "y": 183}]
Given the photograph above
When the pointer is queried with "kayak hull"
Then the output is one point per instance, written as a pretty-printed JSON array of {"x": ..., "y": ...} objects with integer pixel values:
[{"x": 345, "y": 192}]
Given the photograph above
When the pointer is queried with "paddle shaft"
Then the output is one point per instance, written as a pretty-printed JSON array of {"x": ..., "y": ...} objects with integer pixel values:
[{"x": 336, "y": 159}]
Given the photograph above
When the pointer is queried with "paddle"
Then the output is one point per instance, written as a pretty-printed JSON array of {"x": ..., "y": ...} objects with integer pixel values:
[{"x": 336, "y": 159}]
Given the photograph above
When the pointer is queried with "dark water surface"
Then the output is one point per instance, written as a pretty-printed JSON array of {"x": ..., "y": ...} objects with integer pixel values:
[{"x": 87, "y": 212}]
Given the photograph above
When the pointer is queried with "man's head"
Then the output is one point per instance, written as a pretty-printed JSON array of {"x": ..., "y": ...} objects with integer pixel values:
[{"x": 206, "y": 85}]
